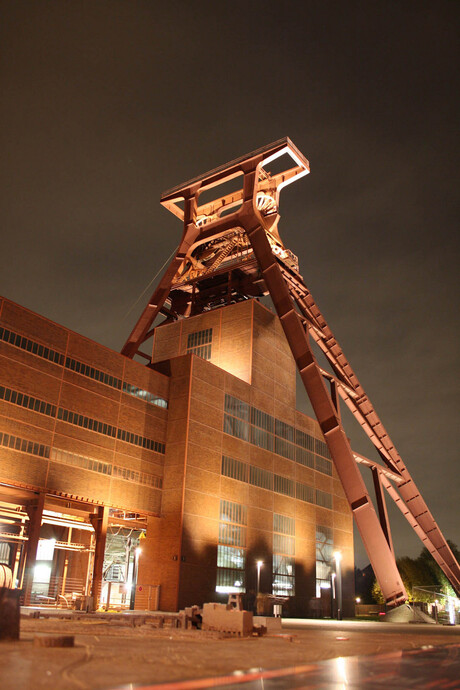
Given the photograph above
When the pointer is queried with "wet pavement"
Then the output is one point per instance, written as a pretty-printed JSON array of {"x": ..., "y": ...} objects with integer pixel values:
[
  {"x": 428, "y": 668},
  {"x": 130, "y": 652}
]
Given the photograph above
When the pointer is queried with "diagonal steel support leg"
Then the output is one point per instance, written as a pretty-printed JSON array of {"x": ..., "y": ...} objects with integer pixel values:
[{"x": 375, "y": 542}]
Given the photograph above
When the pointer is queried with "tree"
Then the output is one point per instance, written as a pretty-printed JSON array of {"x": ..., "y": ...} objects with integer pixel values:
[{"x": 421, "y": 573}]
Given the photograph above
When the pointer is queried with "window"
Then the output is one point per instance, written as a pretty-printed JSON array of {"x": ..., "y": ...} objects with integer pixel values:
[
  {"x": 284, "y": 448},
  {"x": 67, "y": 458},
  {"x": 21, "y": 444},
  {"x": 92, "y": 373},
  {"x": 250, "y": 424},
  {"x": 261, "y": 478},
  {"x": 31, "y": 346},
  {"x": 109, "y": 430},
  {"x": 233, "y": 512},
  {"x": 305, "y": 493},
  {"x": 283, "y": 485},
  {"x": 283, "y": 571},
  {"x": 323, "y": 499},
  {"x": 234, "y": 535},
  {"x": 144, "y": 395},
  {"x": 235, "y": 469},
  {"x": 237, "y": 408},
  {"x": 230, "y": 579},
  {"x": 261, "y": 438},
  {"x": 304, "y": 457},
  {"x": 27, "y": 401},
  {"x": 283, "y": 544},
  {"x": 283, "y": 524},
  {"x": 231, "y": 553},
  {"x": 261, "y": 419},
  {"x": 284, "y": 430},
  {"x": 321, "y": 448},
  {"x": 323, "y": 465},
  {"x": 114, "y": 382},
  {"x": 199, "y": 343},
  {"x": 236, "y": 427},
  {"x": 324, "y": 551},
  {"x": 304, "y": 440},
  {"x": 228, "y": 557}
]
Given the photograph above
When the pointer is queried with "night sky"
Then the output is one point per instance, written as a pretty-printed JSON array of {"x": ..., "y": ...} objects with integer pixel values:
[{"x": 106, "y": 104}]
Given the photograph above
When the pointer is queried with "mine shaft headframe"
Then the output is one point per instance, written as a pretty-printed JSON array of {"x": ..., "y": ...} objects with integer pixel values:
[
  {"x": 236, "y": 232},
  {"x": 214, "y": 240}
]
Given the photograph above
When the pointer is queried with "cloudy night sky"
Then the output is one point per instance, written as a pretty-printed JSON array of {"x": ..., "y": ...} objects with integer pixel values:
[{"x": 106, "y": 104}]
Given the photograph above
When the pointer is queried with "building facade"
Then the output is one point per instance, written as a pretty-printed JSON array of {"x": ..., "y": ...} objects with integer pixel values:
[{"x": 174, "y": 480}]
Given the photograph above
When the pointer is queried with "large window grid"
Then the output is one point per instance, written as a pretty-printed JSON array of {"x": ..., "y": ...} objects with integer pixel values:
[
  {"x": 116, "y": 471},
  {"x": 27, "y": 401},
  {"x": 284, "y": 485},
  {"x": 323, "y": 499},
  {"x": 283, "y": 524},
  {"x": 264, "y": 479},
  {"x": 78, "y": 367},
  {"x": 31, "y": 346},
  {"x": 261, "y": 478},
  {"x": 199, "y": 343},
  {"x": 109, "y": 430},
  {"x": 231, "y": 553},
  {"x": 233, "y": 512},
  {"x": 324, "y": 553},
  {"x": 250, "y": 424},
  {"x": 235, "y": 469},
  {"x": 23, "y": 445},
  {"x": 283, "y": 564},
  {"x": 305, "y": 458},
  {"x": 31, "y": 403},
  {"x": 305, "y": 493},
  {"x": 261, "y": 438},
  {"x": 323, "y": 465},
  {"x": 236, "y": 427}
]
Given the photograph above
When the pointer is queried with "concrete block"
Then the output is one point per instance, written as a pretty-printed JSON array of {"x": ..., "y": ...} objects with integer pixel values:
[
  {"x": 268, "y": 622},
  {"x": 224, "y": 619}
]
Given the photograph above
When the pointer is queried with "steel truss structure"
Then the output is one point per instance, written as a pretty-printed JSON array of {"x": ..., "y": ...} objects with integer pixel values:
[{"x": 230, "y": 251}]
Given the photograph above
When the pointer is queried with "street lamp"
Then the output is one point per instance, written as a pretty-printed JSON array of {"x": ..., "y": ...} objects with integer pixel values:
[
  {"x": 259, "y": 565},
  {"x": 338, "y": 570}
]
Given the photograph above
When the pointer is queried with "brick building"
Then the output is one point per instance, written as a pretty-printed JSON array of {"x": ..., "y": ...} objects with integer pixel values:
[{"x": 177, "y": 477}]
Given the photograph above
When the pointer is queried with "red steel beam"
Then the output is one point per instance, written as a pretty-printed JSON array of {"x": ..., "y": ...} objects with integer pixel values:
[
  {"x": 417, "y": 529},
  {"x": 380, "y": 554},
  {"x": 364, "y": 412}
]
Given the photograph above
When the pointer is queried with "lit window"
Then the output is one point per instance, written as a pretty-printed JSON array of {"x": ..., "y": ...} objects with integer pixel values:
[
  {"x": 324, "y": 551},
  {"x": 231, "y": 554},
  {"x": 283, "y": 575}
]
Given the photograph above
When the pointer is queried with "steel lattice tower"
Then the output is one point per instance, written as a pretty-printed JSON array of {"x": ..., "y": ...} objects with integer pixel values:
[{"x": 231, "y": 250}]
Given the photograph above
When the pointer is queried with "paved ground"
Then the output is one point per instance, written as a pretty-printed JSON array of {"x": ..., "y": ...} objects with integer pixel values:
[{"x": 113, "y": 654}]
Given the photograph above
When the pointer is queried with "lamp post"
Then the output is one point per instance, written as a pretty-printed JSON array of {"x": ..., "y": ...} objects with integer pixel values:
[
  {"x": 259, "y": 566},
  {"x": 338, "y": 570}
]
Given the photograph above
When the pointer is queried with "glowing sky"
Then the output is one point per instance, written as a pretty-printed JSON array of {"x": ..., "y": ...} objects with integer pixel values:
[{"x": 106, "y": 104}]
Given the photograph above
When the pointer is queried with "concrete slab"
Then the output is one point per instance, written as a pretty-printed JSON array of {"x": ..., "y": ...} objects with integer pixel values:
[{"x": 112, "y": 653}]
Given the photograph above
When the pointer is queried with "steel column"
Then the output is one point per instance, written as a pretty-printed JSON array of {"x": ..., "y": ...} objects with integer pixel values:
[
  {"x": 35, "y": 513},
  {"x": 99, "y": 521}
]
